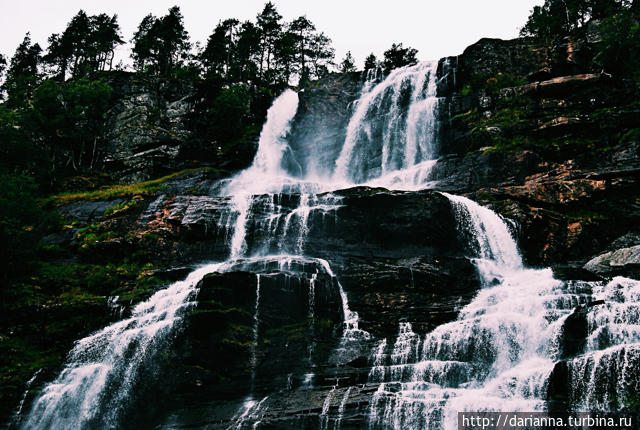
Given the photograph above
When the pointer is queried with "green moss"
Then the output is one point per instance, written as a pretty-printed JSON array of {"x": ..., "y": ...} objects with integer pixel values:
[
  {"x": 585, "y": 215},
  {"x": 632, "y": 135},
  {"x": 127, "y": 190},
  {"x": 122, "y": 207},
  {"x": 466, "y": 90},
  {"x": 74, "y": 282}
]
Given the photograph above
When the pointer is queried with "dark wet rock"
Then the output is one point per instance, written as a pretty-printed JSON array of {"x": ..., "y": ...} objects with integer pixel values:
[
  {"x": 250, "y": 332},
  {"x": 87, "y": 212},
  {"x": 428, "y": 291},
  {"x": 574, "y": 333},
  {"x": 384, "y": 223}
]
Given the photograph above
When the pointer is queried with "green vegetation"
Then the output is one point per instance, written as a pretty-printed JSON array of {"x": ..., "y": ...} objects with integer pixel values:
[
  {"x": 145, "y": 188},
  {"x": 398, "y": 56},
  {"x": 618, "y": 22}
]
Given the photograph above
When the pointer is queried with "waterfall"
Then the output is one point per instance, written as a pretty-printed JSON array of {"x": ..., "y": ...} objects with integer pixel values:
[
  {"x": 497, "y": 251},
  {"x": 387, "y": 132},
  {"x": 497, "y": 355},
  {"x": 100, "y": 370}
]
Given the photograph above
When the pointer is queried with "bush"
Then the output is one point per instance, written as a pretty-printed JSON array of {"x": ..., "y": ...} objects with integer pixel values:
[
  {"x": 619, "y": 50},
  {"x": 21, "y": 221}
]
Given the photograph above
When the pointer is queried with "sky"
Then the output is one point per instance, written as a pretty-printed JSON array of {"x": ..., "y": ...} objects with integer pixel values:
[{"x": 437, "y": 28}]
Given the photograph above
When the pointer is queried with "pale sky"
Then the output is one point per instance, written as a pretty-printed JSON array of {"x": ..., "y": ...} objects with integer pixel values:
[{"x": 437, "y": 28}]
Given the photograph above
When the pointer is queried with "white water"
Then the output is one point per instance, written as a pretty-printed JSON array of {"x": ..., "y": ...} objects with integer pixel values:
[
  {"x": 101, "y": 369},
  {"x": 400, "y": 137},
  {"x": 497, "y": 355}
]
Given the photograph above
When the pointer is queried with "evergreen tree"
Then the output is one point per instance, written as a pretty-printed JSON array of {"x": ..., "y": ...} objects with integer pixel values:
[
  {"x": 214, "y": 55},
  {"x": 348, "y": 63},
  {"x": 321, "y": 54},
  {"x": 558, "y": 18},
  {"x": 23, "y": 74},
  {"x": 160, "y": 45},
  {"x": 104, "y": 38},
  {"x": 69, "y": 118},
  {"x": 398, "y": 56},
  {"x": 144, "y": 44},
  {"x": 303, "y": 31},
  {"x": 247, "y": 53},
  {"x": 269, "y": 25},
  {"x": 371, "y": 62},
  {"x": 286, "y": 50},
  {"x": 86, "y": 46},
  {"x": 3, "y": 66}
]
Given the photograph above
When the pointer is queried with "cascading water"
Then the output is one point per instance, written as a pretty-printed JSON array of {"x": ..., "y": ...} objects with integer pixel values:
[
  {"x": 101, "y": 369},
  {"x": 393, "y": 128},
  {"x": 498, "y": 354},
  {"x": 501, "y": 351}
]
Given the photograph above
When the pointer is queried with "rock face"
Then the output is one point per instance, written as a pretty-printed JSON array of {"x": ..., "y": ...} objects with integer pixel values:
[
  {"x": 147, "y": 127},
  {"x": 319, "y": 127},
  {"x": 558, "y": 155},
  {"x": 623, "y": 261}
]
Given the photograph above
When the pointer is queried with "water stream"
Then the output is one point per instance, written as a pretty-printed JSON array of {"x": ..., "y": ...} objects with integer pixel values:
[{"x": 497, "y": 355}]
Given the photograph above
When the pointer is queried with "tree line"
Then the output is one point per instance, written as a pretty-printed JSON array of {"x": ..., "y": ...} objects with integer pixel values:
[{"x": 616, "y": 22}]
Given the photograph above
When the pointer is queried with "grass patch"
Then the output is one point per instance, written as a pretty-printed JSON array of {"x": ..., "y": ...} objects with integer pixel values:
[{"x": 145, "y": 188}]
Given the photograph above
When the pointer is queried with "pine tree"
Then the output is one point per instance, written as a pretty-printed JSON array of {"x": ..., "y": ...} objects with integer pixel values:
[
  {"x": 269, "y": 26},
  {"x": 371, "y": 62},
  {"x": 23, "y": 74},
  {"x": 348, "y": 63},
  {"x": 86, "y": 46},
  {"x": 398, "y": 56},
  {"x": 160, "y": 45}
]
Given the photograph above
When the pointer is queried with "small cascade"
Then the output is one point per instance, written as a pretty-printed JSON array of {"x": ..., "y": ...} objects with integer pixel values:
[
  {"x": 493, "y": 242},
  {"x": 17, "y": 417},
  {"x": 101, "y": 369},
  {"x": 605, "y": 377},
  {"x": 256, "y": 333},
  {"x": 324, "y": 414},
  {"x": 377, "y": 372},
  {"x": 265, "y": 171},
  {"x": 343, "y": 404},
  {"x": 497, "y": 355},
  {"x": 393, "y": 127},
  {"x": 249, "y": 415}
]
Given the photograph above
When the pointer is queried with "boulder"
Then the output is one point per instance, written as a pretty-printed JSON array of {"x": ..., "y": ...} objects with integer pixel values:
[{"x": 621, "y": 262}]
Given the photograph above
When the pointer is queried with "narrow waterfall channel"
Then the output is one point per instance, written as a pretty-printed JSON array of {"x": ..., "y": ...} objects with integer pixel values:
[{"x": 500, "y": 353}]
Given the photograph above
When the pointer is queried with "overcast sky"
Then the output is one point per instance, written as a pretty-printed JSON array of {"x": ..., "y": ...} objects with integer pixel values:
[{"x": 437, "y": 28}]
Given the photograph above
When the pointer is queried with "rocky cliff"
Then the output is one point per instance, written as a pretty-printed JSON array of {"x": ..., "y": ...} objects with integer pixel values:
[{"x": 538, "y": 134}]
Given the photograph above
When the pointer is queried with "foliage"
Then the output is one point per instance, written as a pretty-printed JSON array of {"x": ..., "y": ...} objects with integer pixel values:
[
  {"x": 86, "y": 46},
  {"x": 3, "y": 66},
  {"x": 21, "y": 221},
  {"x": 619, "y": 50},
  {"x": 348, "y": 63},
  {"x": 370, "y": 63},
  {"x": 126, "y": 190},
  {"x": 161, "y": 44},
  {"x": 23, "y": 74},
  {"x": 69, "y": 117},
  {"x": 398, "y": 56},
  {"x": 228, "y": 113},
  {"x": 563, "y": 17}
]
